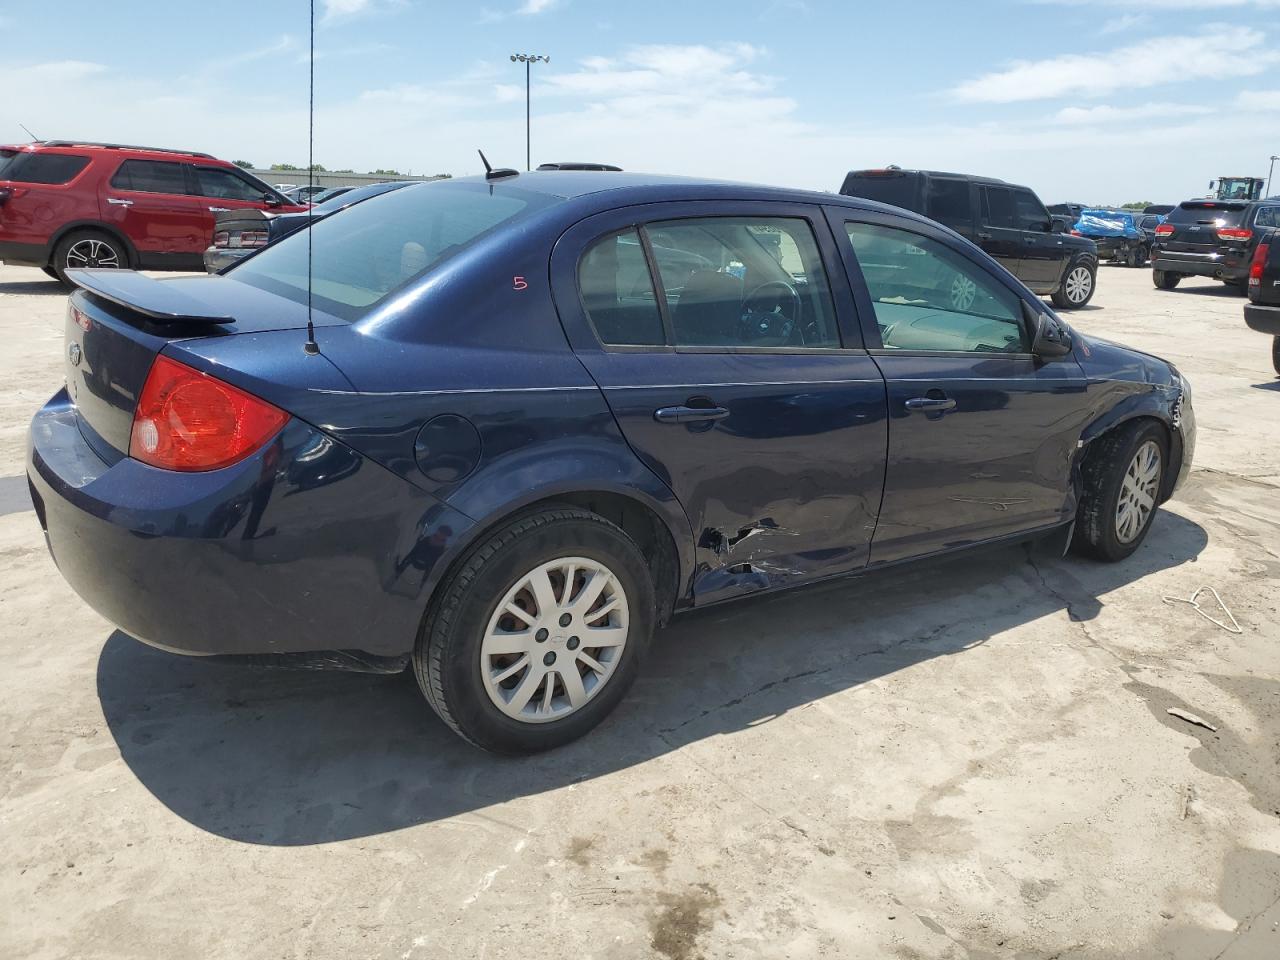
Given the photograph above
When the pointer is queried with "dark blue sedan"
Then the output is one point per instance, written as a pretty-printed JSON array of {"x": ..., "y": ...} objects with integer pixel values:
[{"x": 536, "y": 415}]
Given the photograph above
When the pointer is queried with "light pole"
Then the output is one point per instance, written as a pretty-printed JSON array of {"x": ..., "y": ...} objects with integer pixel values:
[
  {"x": 1270, "y": 170},
  {"x": 528, "y": 59}
]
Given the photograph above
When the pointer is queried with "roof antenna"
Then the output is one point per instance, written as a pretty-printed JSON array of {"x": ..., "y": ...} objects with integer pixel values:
[
  {"x": 33, "y": 137},
  {"x": 311, "y": 347},
  {"x": 488, "y": 167},
  {"x": 501, "y": 173}
]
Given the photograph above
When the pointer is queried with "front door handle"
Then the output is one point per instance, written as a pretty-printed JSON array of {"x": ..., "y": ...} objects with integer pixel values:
[
  {"x": 684, "y": 414},
  {"x": 930, "y": 404},
  {"x": 219, "y": 209},
  {"x": 120, "y": 203}
]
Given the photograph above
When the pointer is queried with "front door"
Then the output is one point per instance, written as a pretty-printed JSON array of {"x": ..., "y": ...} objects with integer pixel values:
[
  {"x": 1044, "y": 256},
  {"x": 219, "y": 190},
  {"x": 981, "y": 433},
  {"x": 716, "y": 337}
]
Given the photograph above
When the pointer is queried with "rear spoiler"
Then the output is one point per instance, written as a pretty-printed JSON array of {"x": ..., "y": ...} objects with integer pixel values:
[{"x": 161, "y": 301}]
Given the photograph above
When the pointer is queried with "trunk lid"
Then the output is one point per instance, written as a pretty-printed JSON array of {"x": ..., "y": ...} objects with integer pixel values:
[
  {"x": 1196, "y": 224},
  {"x": 119, "y": 320}
]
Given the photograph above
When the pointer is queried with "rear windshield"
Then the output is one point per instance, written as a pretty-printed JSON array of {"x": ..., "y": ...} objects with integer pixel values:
[
  {"x": 1219, "y": 213},
  {"x": 897, "y": 189},
  {"x": 41, "y": 167},
  {"x": 376, "y": 247}
]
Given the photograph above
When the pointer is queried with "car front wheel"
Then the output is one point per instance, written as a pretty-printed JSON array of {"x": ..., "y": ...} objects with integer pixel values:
[
  {"x": 1122, "y": 478},
  {"x": 536, "y": 637},
  {"x": 1077, "y": 287}
]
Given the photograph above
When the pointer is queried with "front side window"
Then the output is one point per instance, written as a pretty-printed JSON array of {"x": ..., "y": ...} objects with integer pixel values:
[
  {"x": 1029, "y": 211},
  {"x": 373, "y": 248},
  {"x": 744, "y": 282},
  {"x": 212, "y": 182},
  {"x": 46, "y": 168},
  {"x": 150, "y": 176},
  {"x": 997, "y": 207},
  {"x": 929, "y": 297},
  {"x": 617, "y": 291}
]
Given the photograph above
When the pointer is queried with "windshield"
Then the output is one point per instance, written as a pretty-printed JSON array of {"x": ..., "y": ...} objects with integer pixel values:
[
  {"x": 378, "y": 246},
  {"x": 1218, "y": 213}
]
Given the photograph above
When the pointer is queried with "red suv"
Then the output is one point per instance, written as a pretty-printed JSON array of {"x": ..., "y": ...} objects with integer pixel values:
[{"x": 66, "y": 204}]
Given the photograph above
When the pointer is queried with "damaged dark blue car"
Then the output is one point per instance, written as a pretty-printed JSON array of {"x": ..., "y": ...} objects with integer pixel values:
[{"x": 534, "y": 416}]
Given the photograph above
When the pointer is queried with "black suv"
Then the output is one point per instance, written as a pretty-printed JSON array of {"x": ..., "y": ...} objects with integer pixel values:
[
  {"x": 1262, "y": 313},
  {"x": 1007, "y": 221},
  {"x": 1210, "y": 238}
]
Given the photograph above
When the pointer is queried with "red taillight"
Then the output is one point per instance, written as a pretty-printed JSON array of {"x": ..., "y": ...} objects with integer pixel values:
[
  {"x": 221, "y": 238},
  {"x": 253, "y": 238},
  {"x": 1256, "y": 264},
  {"x": 1232, "y": 233},
  {"x": 1165, "y": 230},
  {"x": 82, "y": 321},
  {"x": 188, "y": 420},
  {"x": 1076, "y": 233}
]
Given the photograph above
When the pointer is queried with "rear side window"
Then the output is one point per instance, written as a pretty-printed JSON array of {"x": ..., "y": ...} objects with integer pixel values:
[
  {"x": 370, "y": 250},
  {"x": 49, "y": 168},
  {"x": 150, "y": 176},
  {"x": 890, "y": 187},
  {"x": 214, "y": 182},
  {"x": 997, "y": 207},
  {"x": 1208, "y": 212},
  {"x": 949, "y": 201},
  {"x": 1267, "y": 217},
  {"x": 928, "y": 297},
  {"x": 617, "y": 292},
  {"x": 6, "y": 158}
]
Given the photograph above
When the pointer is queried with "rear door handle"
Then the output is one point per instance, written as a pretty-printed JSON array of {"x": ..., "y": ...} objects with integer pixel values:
[
  {"x": 984, "y": 236},
  {"x": 930, "y": 404},
  {"x": 120, "y": 203},
  {"x": 683, "y": 414}
]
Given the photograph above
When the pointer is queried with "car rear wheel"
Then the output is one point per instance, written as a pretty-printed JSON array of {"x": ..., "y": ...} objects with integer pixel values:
[
  {"x": 1164, "y": 279},
  {"x": 1275, "y": 354},
  {"x": 87, "y": 248},
  {"x": 1077, "y": 287},
  {"x": 536, "y": 637},
  {"x": 1122, "y": 476}
]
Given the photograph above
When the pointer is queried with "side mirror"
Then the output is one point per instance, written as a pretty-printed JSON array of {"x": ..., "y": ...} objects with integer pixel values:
[
  {"x": 1051, "y": 338},
  {"x": 1059, "y": 224}
]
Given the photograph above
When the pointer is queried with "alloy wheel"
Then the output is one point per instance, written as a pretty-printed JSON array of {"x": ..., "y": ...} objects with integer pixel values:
[
  {"x": 963, "y": 292},
  {"x": 1079, "y": 283},
  {"x": 91, "y": 252},
  {"x": 554, "y": 640},
  {"x": 1138, "y": 492}
]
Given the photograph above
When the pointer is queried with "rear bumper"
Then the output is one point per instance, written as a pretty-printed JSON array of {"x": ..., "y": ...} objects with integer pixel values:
[
  {"x": 306, "y": 546},
  {"x": 1262, "y": 318},
  {"x": 219, "y": 258},
  {"x": 24, "y": 254},
  {"x": 1224, "y": 267}
]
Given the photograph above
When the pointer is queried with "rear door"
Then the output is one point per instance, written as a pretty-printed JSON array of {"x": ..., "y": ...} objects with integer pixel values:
[
  {"x": 148, "y": 201},
  {"x": 998, "y": 231},
  {"x": 1043, "y": 254},
  {"x": 734, "y": 369},
  {"x": 981, "y": 433}
]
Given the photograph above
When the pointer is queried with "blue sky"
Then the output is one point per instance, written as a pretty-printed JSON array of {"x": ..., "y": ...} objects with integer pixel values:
[{"x": 1082, "y": 99}]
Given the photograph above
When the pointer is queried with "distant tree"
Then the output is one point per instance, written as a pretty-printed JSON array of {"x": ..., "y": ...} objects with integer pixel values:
[
  {"x": 1137, "y": 205},
  {"x": 444, "y": 176},
  {"x": 244, "y": 163},
  {"x": 284, "y": 166},
  {"x": 387, "y": 173}
]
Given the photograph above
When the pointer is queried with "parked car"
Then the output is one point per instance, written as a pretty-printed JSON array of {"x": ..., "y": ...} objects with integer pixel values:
[
  {"x": 239, "y": 233},
  {"x": 1007, "y": 221},
  {"x": 518, "y": 438},
  {"x": 1262, "y": 312},
  {"x": 1071, "y": 211},
  {"x": 330, "y": 193},
  {"x": 1116, "y": 234},
  {"x": 304, "y": 193},
  {"x": 67, "y": 204},
  {"x": 1210, "y": 238}
]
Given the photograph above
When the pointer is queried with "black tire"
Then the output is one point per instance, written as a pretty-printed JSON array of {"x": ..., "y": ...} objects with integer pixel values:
[
  {"x": 87, "y": 248},
  {"x": 1102, "y": 477},
  {"x": 1275, "y": 354},
  {"x": 447, "y": 660},
  {"x": 1237, "y": 286},
  {"x": 1164, "y": 279},
  {"x": 1069, "y": 295},
  {"x": 1131, "y": 257},
  {"x": 51, "y": 273}
]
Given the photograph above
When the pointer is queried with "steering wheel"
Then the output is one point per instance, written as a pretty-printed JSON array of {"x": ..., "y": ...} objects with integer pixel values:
[{"x": 771, "y": 310}]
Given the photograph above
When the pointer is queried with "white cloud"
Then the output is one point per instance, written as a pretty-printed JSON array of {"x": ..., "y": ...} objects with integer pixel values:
[
  {"x": 1126, "y": 21},
  {"x": 1258, "y": 100},
  {"x": 1106, "y": 113},
  {"x": 1164, "y": 5},
  {"x": 1218, "y": 52},
  {"x": 531, "y": 8}
]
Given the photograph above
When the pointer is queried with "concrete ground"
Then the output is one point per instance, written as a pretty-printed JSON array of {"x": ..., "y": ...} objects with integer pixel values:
[{"x": 972, "y": 760}]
